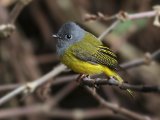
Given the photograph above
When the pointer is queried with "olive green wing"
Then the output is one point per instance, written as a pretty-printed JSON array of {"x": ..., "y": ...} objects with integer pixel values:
[{"x": 96, "y": 54}]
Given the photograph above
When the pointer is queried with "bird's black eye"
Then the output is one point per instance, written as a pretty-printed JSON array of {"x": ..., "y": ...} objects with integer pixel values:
[{"x": 68, "y": 36}]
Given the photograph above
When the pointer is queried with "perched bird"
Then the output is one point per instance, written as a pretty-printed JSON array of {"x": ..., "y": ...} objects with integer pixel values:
[{"x": 82, "y": 52}]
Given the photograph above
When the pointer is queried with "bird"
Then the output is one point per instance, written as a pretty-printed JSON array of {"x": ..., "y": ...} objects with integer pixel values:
[{"x": 83, "y": 53}]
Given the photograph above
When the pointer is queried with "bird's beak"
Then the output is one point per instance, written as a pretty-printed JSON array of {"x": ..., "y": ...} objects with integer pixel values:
[{"x": 55, "y": 36}]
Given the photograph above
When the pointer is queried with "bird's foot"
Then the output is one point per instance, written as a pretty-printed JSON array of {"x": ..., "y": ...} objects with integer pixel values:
[
  {"x": 81, "y": 76},
  {"x": 112, "y": 80}
]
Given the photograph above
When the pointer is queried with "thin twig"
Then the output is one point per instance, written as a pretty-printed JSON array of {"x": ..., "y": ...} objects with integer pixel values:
[
  {"x": 101, "y": 16},
  {"x": 17, "y": 10},
  {"x": 147, "y": 14},
  {"x": 7, "y": 28},
  {"x": 117, "y": 108},
  {"x": 57, "y": 81},
  {"x": 124, "y": 86},
  {"x": 60, "y": 95},
  {"x": 8, "y": 87},
  {"x": 113, "y": 25},
  {"x": 56, "y": 112},
  {"x": 146, "y": 60},
  {"x": 79, "y": 114},
  {"x": 122, "y": 16},
  {"x": 30, "y": 87}
]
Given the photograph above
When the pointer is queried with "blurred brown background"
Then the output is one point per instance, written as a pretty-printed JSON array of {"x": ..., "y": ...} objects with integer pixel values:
[{"x": 30, "y": 52}]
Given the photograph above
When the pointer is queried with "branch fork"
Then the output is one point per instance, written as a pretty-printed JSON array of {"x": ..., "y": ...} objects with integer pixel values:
[
  {"x": 6, "y": 30},
  {"x": 30, "y": 88},
  {"x": 123, "y": 16}
]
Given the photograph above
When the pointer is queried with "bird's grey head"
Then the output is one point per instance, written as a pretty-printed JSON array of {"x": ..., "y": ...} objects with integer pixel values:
[{"x": 67, "y": 35}]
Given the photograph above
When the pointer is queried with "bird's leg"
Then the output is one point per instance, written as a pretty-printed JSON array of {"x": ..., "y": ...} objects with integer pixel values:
[
  {"x": 116, "y": 82},
  {"x": 88, "y": 76},
  {"x": 95, "y": 86},
  {"x": 81, "y": 76}
]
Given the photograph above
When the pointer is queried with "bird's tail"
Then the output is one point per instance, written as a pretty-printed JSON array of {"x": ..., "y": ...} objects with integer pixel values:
[{"x": 112, "y": 73}]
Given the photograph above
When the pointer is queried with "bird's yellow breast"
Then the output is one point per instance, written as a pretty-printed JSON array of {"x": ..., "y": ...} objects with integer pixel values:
[{"x": 80, "y": 66}]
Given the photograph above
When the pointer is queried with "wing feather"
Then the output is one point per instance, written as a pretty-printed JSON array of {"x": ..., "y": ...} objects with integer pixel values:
[
  {"x": 97, "y": 55},
  {"x": 93, "y": 51}
]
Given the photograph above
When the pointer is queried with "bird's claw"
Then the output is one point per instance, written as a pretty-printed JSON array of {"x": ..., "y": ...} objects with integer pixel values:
[{"x": 81, "y": 76}]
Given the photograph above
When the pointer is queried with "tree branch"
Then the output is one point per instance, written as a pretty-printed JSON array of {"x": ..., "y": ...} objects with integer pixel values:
[
  {"x": 56, "y": 112},
  {"x": 17, "y": 10},
  {"x": 30, "y": 87},
  {"x": 110, "y": 28},
  {"x": 146, "y": 60},
  {"x": 124, "y": 86},
  {"x": 123, "y": 16},
  {"x": 118, "y": 108}
]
